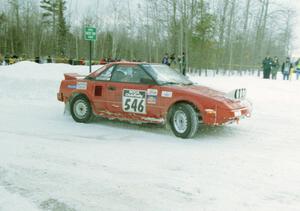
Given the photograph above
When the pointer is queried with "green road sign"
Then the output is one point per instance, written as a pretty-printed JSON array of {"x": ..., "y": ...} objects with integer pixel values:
[{"x": 90, "y": 33}]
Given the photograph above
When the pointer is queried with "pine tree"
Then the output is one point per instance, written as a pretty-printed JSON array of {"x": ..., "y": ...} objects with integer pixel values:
[
  {"x": 49, "y": 19},
  {"x": 53, "y": 16},
  {"x": 62, "y": 28}
]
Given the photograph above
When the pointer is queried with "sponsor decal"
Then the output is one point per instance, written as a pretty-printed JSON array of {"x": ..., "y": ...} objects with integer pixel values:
[
  {"x": 151, "y": 99},
  {"x": 152, "y": 96},
  {"x": 72, "y": 86},
  {"x": 82, "y": 85},
  {"x": 134, "y": 101},
  {"x": 167, "y": 94},
  {"x": 152, "y": 92}
]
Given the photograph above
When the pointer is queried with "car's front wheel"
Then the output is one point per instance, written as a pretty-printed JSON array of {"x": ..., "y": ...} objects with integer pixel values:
[
  {"x": 81, "y": 109},
  {"x": 184, "y": 120}
]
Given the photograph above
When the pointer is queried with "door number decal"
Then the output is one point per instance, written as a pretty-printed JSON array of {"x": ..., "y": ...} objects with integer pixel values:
[{"x": 134, "y": 101}]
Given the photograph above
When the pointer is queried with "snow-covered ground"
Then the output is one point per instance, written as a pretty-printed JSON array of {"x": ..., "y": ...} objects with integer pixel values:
[{"x": 49, "y": 162}]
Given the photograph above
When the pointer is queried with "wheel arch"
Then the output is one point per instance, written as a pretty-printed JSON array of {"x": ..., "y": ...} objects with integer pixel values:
[
  {"x": 174, "y": 104},
  {"x": 75, "y": 94},
  {"x": 72, "y": 100}
]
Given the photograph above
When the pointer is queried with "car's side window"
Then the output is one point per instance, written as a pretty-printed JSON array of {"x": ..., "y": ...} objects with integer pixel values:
[
  {"x": 120, "y": 74},
  {"x": 129, "y": 74},
  {"x": 106, "y": 75},
  {"x": 139, "y": 74}
]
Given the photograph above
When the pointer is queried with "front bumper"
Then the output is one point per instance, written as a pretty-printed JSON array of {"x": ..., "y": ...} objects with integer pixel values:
[{"x": 222, "y": 116}]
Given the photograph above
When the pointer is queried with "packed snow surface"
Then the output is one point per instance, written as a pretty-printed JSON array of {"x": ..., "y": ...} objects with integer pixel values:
[{"x": 49, "y": 162}]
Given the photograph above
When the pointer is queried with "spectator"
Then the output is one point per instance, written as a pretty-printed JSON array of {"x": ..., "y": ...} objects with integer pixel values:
[
  {"x": 286, "y": 69},
  {"x": 23, "y": 57},
  {"x": 183, "y": 64},
  {"x": 71, "y": 61},
  {"x": 109, "y": 59},
  {"x": 275, "y": 68},
  {"x": 6, "y": 59},
  {"x": 297, "y": 64},
  {"x": 49, "y": 59},
  {"x": 267, "y": 65},
  {"x": 11, "y": 60},
  {"x": 81, "y": 61},
  {"x": 1, "y": 59},
  {"x": 179, "y": 62},
  {"x": 165, "y": 60},
  {"x": 37, "y": 60},
  {"x": 172, "y": 60},
  {"x": 102, "y": 61}
]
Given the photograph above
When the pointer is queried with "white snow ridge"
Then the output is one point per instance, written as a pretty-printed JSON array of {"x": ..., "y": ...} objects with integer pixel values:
[{"x": 49, "y": 162}]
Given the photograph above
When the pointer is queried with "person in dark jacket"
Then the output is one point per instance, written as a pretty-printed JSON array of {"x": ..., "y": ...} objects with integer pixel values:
[
  {"x": 71, "y": 61},
  {"x": 49, "y": 59},
  {"x": 183, "y": 64},
  {"x": 286, "y": 69},
  {"x": 297, "y": 65},
  {"x": 165, "y": 60},
  {"x": 37, "y": 60},
  {"x": 267, "y": 65},
  {"x": 275, "y": 68},
  {"x": 6, "y": 59}
]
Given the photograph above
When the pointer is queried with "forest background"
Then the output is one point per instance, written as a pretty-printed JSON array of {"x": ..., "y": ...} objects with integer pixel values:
[{"x": 214, "y": 34}]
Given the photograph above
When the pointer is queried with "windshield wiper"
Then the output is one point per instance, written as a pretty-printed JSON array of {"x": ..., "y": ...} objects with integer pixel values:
[
  {"x": 89, "y": 78},
  {"x": 170, "y": 83},
  {"x": 176, "y": 83}
]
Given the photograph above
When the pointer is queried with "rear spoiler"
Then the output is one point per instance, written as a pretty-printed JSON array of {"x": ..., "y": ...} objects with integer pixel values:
[{"x": 73, "y": 76}]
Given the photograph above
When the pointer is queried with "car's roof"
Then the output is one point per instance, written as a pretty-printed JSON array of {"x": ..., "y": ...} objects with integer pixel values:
[
  {"x": 132, "y": 63},
  {"x": 127, "y": 62}
]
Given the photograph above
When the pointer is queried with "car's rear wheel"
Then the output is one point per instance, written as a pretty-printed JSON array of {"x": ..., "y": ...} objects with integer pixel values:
[
  {"x": 81, "y": 109},
  {"x": 184, "y": 120}
]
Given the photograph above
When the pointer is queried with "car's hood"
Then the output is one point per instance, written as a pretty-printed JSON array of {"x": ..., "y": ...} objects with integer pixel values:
[
  {"x": 201, "y": 90},
  {"x": 217, "y": 96}
]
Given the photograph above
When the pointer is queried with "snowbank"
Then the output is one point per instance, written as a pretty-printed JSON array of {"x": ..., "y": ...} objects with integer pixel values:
[{"x": 31, "y": 70}]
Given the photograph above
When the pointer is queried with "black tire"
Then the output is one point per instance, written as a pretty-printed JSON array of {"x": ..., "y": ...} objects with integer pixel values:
[
  {"x": 81, "y": 109},
  {"x": 184, "y": 120}
]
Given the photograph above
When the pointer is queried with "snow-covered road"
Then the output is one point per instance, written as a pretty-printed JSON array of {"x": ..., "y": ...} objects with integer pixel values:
[{"x": 49, "y": 162}]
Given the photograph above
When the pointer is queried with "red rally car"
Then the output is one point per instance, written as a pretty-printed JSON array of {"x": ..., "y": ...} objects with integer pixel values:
[{"x": 150, "y": 93}]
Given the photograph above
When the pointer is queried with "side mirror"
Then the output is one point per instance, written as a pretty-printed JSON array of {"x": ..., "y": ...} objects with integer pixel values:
[{"x": 147, "y": 81}]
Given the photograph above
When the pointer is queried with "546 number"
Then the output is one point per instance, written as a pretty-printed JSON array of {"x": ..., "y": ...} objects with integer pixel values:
[{"x": 134, "y": 105}]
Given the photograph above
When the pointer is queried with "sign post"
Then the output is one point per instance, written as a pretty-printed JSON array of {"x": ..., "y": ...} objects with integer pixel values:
[{"x": 90, "y": 35}]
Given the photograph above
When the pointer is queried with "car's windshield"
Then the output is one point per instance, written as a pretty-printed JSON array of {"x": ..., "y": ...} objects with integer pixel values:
[{"x": 164, "y": 75}]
